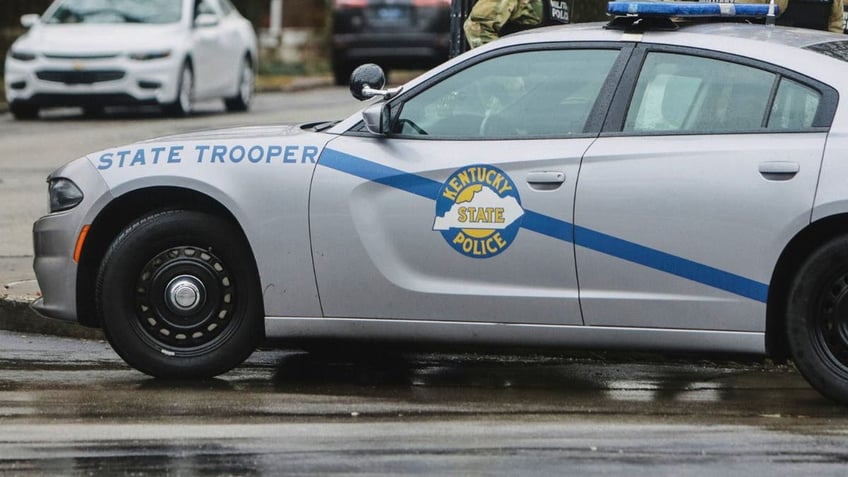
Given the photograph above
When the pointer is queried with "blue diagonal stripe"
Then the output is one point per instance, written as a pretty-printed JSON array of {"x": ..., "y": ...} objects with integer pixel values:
[
  {"x": 560, "y": 229},
  {"x": 665, "y": 262},
  {"x": 379, "y": 173},
  {"x": 545, "y": 225}
]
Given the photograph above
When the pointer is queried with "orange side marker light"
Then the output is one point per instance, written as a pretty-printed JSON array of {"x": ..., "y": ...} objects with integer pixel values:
[{"x": 80, "y": 241}]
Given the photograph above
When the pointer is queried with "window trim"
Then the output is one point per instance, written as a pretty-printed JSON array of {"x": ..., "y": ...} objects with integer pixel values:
[{"x": 614, "y": 125}]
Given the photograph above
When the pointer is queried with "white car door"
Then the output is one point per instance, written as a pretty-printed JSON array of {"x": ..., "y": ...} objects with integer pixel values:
[
  {"x": 682, "y": 214},
  {"x": 212, "y": 51},
  {"x": 464, "y": 212}
]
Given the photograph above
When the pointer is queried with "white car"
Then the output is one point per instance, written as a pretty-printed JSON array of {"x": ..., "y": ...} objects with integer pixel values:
[{"x": 98, "y": 53}]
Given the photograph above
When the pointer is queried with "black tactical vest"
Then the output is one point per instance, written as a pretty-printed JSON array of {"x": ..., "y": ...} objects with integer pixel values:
[{"x": 813, "y": 14}]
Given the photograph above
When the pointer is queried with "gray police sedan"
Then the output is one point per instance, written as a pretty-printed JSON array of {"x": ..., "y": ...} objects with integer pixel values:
[{"x": 571, "y": 187}]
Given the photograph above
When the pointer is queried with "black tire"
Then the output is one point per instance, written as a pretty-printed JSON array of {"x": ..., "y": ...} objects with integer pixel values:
[
  {"x": 94, "y": 111},
  {"x": 23, "y": 110},
  {"x": 184, "y": 102},
  {"x": 244, "y": 93},
  {"x": 178, "y": 295},
  {"x": 817, "y": 319}
]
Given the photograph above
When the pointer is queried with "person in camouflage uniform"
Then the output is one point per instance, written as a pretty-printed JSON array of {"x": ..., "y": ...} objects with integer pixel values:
[{"x": 488, "y": 17}]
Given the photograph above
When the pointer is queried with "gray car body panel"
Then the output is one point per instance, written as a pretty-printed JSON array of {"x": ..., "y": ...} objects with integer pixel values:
[
  {"x": 356, "y": 227},
  {"x": 55, "y": 237},
  {"x": 262, "y": 176}
]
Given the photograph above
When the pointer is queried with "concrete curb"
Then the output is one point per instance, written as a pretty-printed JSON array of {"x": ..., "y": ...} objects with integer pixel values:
[{"x": 16, "y": 315}]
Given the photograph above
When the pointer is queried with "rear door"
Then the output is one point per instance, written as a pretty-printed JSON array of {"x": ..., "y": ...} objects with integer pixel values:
[
  {"x": 464, "y": 212},
  {"x": 707, "y": 168}
]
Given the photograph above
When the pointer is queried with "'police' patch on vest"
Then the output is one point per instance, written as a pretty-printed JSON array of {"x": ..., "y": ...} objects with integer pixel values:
[
  {"x": 559, "y": 11},
  {"x": 478, "y": 211}
]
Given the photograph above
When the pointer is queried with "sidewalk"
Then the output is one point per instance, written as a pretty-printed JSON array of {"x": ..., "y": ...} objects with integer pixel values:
[{"x": 18, "y": 287}]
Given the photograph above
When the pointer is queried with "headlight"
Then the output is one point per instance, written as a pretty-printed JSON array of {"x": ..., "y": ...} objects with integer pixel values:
[
  {"x": 64, "y": 194},
  {"x": 150, "y": 55},
  {"x": 22, "y": 55}
]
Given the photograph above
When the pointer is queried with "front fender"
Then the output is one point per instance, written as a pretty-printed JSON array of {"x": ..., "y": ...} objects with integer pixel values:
[{"x": 262, "y": 180}]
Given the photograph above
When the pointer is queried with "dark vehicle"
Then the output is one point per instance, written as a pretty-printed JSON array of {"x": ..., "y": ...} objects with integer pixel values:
[{"x": 392, "y": 33}]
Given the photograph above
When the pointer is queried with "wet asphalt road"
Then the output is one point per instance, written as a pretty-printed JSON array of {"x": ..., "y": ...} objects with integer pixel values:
[{"x": 71, "y": 407}]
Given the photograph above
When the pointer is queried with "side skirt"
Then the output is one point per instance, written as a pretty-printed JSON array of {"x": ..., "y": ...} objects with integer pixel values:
[{"x": 515, "y": 334}]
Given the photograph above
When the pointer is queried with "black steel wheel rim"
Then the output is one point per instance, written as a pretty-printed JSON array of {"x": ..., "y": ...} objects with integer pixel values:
[
  {"x": 185, "y": 299},
  {"x": 831, "y": 323}
]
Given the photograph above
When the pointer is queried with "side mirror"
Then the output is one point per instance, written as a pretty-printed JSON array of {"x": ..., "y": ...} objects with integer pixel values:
[
  {"x": 378, "y": 118},
  {"x": 367, "y": 81},
  {"x": 366, "y": 76},
  {"x": 30, "y": 19},
  {"x": 205, "y": 20}
]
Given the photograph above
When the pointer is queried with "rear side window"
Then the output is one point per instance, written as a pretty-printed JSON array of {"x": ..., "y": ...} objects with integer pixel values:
[
  {"x": 794, "y": 106},
  {"x": 685, "y": 93}
]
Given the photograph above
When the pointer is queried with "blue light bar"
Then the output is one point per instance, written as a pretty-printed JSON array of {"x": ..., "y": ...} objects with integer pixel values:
[{"x": 690, "y": 9}]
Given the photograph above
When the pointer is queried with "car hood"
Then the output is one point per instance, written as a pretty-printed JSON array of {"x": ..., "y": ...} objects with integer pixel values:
[
  {"x": 244, "y": 150},
  {"x": 98, "y": 38},
  {"x": 243, "y": 134}
]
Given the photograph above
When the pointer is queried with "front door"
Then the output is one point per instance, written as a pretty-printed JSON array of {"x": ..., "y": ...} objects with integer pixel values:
[{"x": 464, "y": 212}]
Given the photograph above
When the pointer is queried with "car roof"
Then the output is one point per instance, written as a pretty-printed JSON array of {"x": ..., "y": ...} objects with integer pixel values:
[
  {"x": 718, "y": 32},
  {"x": 781, "y": 46}
]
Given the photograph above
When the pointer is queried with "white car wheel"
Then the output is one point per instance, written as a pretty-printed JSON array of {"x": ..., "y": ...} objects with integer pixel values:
[
  {"x": 244, "y": 95},
  {"x": 183, "y": 104}
]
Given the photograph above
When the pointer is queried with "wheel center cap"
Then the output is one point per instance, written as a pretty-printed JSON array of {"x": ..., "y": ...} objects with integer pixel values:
[{"x": 185, "y": 294}]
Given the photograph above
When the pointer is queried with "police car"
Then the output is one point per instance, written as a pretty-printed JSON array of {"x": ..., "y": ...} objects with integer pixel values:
[{"x": 646, "y": 185}]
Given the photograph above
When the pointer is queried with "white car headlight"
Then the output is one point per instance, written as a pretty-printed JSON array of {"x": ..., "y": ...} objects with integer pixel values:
[
  {"x": 150, "y": 55},
  {"x": 22, "y": 55}
]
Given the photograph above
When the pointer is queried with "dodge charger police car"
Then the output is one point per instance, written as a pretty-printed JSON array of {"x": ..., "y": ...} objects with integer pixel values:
[{"x": 578, "y": 186}]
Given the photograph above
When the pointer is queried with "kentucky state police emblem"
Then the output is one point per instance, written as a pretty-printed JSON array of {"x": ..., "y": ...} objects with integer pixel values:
[{"x": 478, "y": 211}]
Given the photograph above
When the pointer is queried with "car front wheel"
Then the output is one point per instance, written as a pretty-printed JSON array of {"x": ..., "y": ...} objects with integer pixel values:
[
  {"x": 184, "y": 101},
  {"x": 244, "y": 95},
  {"x": 178, "y": 295},
  {"x": 23, "y": 110},
  {"x": 817, "y": 319}
]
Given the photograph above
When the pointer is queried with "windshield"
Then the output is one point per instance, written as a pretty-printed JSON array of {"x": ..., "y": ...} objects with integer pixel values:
[{"x": 117, "y": 11}]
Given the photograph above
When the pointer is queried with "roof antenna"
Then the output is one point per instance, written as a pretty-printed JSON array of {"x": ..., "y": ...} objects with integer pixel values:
[{"x": 770, "y": 15}]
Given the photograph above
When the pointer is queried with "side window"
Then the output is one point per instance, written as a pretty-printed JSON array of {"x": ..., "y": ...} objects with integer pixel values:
[
  {"x": 519, "y": 95},
  {"x": 795, "y": 106},
  {"x": 203, "y": 7},
  {"x": 678, "y": 92},
  {"x": 226, "y": 7}
]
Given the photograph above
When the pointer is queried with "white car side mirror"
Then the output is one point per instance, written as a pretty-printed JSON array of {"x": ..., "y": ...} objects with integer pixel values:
[
  {"x": 30, "y": 19},
  {"x": 205, "y": 20}
]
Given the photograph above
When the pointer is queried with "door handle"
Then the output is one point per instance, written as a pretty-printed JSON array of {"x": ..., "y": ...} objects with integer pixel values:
[
  {"x": 545, "y": 180},
  {"x": 546, "y": 177},
  {"x": 779, "y": 170}
]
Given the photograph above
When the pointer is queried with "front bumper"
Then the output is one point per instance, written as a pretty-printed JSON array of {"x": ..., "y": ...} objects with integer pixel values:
[
  {"x": 82, "y": 82},
  {"x": 55, "y": 238}
]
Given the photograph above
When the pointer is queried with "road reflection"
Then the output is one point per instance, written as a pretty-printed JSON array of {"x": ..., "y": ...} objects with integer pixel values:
[
  {"x": 636, "y": 385},
  {"x": 72, "y": 407}
]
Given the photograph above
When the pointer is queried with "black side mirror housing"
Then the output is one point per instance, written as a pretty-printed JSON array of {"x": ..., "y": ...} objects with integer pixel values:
[{"x": 365, "y": 77}]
